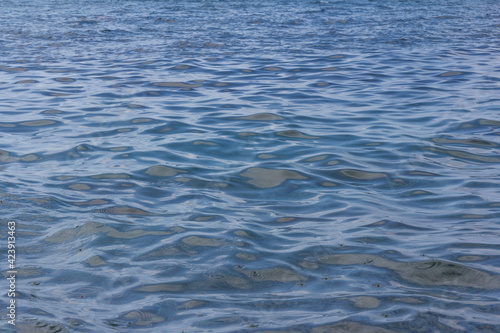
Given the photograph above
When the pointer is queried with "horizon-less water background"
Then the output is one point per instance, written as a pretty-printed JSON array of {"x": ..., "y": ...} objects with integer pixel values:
[{"x": 252, "y": 166}]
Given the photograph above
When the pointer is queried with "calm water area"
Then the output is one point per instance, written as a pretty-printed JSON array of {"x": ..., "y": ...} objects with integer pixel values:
[{"x": 251, "y": 166}]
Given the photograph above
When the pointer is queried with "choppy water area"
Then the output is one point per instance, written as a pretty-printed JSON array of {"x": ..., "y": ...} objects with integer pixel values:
[{"x": 252, "y": 166}]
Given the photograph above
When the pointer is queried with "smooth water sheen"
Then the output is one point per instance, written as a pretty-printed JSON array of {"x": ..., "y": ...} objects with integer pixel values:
[{"x": 251, "y": 166}]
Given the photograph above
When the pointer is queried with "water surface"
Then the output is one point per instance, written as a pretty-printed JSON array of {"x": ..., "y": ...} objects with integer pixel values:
[{"x": 252, "y": 166}]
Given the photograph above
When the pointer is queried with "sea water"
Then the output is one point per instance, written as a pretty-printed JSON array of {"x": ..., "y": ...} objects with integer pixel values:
[{"x": 251, "y": 166}]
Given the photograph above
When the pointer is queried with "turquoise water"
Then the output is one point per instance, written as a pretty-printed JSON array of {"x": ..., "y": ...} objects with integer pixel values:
[{"x": 251, "y": 166}]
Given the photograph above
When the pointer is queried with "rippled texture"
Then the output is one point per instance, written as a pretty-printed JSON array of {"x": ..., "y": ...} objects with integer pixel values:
[{"x": 252, "y": 166}]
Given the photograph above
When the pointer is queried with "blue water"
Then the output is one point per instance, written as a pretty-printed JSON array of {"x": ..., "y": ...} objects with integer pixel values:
[{"x": 251, "y": 166}]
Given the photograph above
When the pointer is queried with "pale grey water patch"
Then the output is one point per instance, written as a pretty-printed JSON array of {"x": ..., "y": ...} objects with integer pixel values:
[
  {"x": 93, "y": 202},
  {"x": 365, "y": 302},
  {"x": 430, "y": 272},
  {"x": 64, "y": 79},
  {"x": 79, "y": 187},
  {"x": 161, "y": 288},
  {"x": 29, "y": 158},
  {"x": 95, "y": 261},
  {"x": 111, "y": 176},
  {"x": 143, "y": 319},
  {"x": 273, "y": 69},
  {"x": 203, "y": 241},
  {"x": 474, "y": 142},
  {"x": 177, "y": 85},
  {"x": 123, "y": 210},
  {"x": 317, "y": 158},
  {"x": 93, "y": 228},
  {"x": 278, "y": 274},
  {"x": 266, "y": 156},
  {"x": 264, "y": 116},
  {"x": 142, "y": 120},
  {"x": 163, "y": 171},
  {"x": 296, "y": 134},
  {"x": 204, "y": 143},
  {"x": 465, "y": 155},
  {"x": 362, "y": 175},
  {"x": 265, "y": 178},
  {"x": 26, "y": 81}
]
